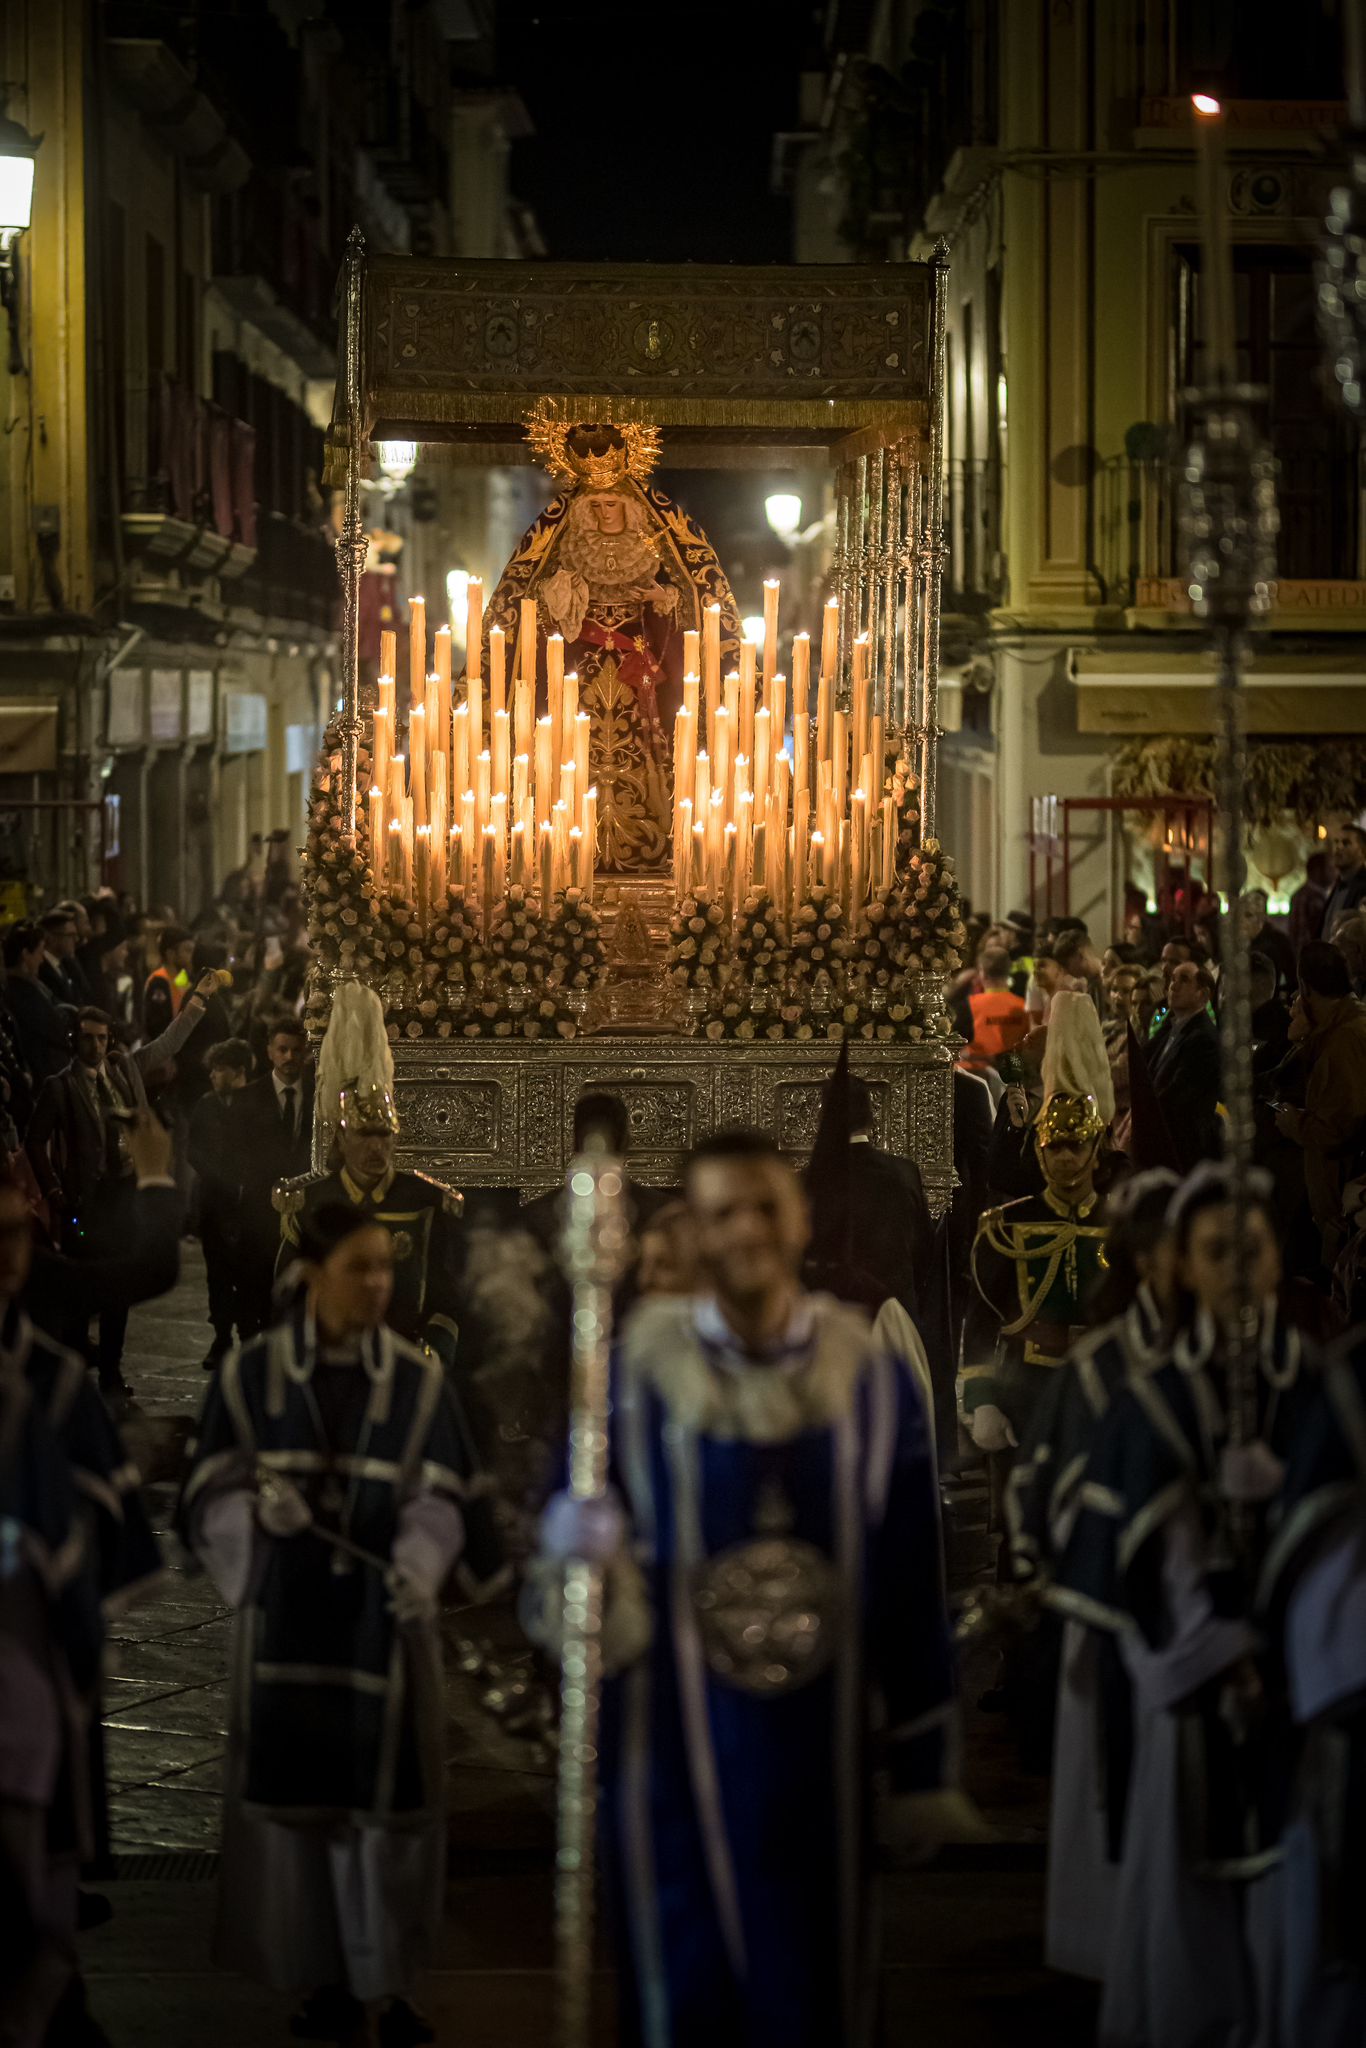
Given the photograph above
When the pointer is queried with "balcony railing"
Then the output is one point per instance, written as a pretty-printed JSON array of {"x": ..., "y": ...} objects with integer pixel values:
[
  {"x": 976, "y": 567},
  {"x": 188, "y": 460},
  {"x": 294, "y": 576},
  {"x": 1321, "y": 536}
]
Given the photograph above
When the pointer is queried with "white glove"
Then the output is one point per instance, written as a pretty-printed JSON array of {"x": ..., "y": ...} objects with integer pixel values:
[
  {"x": 280, "y": 1507},
  {"x": 1250, "y": 1473},
  {"x": 592, "y": 1530},
  {"x": 991, "y": 1430},
  {"x": 409, "y": 1599}
]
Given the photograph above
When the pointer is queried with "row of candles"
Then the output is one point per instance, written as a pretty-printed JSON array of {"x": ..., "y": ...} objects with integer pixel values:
[
  {"x": 750, "y": 814},
  {"x": 489, "y": 796}
]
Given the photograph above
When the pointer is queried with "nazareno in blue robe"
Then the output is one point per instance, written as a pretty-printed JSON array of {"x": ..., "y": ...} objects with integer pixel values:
[{"x": 737, "y": 1825}]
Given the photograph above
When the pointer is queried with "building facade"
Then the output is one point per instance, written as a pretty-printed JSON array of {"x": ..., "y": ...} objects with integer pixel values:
[
  {"x": 168, "y": 594},
  {"x": 1052, "y": 148}
]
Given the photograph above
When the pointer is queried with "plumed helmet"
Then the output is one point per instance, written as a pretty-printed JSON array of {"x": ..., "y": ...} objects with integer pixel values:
[
  {"x": 366, "y": 1106},
  {"x": 1068, "y": 1119},
  {"x": 1075, "y": 1061},
  {"x": 355, "y": 1063}
]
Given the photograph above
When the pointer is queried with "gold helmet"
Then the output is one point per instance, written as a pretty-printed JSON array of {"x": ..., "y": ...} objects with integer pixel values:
[
  {"x": 366, "y": 1106},
  {"x": 1069, "y": 1120}
]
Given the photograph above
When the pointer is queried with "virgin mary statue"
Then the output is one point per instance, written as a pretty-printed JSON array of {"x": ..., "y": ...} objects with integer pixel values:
[{"x": 622, "y": 573}]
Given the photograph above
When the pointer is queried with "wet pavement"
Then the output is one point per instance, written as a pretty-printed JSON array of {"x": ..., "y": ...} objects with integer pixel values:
[{"x": 961, "y": 1940}]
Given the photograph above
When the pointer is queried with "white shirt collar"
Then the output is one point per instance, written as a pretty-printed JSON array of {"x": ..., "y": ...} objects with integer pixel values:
[{"x": 788, "y": 1350}]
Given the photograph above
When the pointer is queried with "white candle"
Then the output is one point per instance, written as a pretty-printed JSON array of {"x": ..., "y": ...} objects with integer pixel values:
[
  {"x": 502, "y": 731},
  {"x": 583, "y": 727},
  {"x": 417, "y": 648},
  {"x": 474, "y": 627},
  {"x": 417, "y": 748},
  {"x": 497, "y": 671},
  {"x": 770, "y": 626},
  {"x": 590, "y": 840}
]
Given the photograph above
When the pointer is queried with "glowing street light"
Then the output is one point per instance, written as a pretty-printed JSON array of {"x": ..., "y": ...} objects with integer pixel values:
[
  {"x": 397, "y": 459},
  {"x": 1205, "y": 103},
  {"x": 458, "y": 600},
  {"x": 783, "y": 512},
  {"x": 17, "y": 152}
]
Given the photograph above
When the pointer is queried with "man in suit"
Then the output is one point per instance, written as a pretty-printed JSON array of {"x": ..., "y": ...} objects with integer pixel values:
[
  {"x": 1183, "y": 1059},
  {"x": 40, "y": 1024},
  {"x": 60, "y": 971},
  {"x": 274, "y": 1124},
  {"x": 214, "y": 1153},
  {"x": 1347, "y": 851},
  {"x": 871, "y": 1232}
]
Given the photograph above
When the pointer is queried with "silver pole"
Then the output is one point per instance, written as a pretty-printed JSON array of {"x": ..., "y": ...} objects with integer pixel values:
[
  {"x": 932, "y": 554},
  {"x": 594, "y": 1245}
]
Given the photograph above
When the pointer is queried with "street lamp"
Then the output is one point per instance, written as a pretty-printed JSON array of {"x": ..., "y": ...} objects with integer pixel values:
[
  {"x": 783, "y": 512},
  {"x": 17, "y": 152},
  {"x": 398, "y": 460}
]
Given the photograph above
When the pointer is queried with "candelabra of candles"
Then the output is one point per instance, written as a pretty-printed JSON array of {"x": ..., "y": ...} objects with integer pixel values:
[
  {"x": 488, "y": 796},
  {"x": 750, "y": 815}
]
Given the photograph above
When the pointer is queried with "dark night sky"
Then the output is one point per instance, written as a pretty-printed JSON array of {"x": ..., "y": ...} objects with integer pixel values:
[{"x": 654, "y": 125}]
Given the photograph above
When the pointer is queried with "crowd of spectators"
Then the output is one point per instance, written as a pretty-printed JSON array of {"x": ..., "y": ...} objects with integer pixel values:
[
  {"x": 108, "y": 1013},
  {"x": 1158, "y": 992}
]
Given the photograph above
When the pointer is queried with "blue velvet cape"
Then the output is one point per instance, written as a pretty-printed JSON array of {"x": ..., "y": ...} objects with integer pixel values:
[{"x": 737, "y": 1825}]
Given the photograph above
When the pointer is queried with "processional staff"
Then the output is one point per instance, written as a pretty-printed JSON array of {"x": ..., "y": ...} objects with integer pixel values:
[
  {"x": 1228, "y": 526},
  {"x": 594, "y": 1241}
]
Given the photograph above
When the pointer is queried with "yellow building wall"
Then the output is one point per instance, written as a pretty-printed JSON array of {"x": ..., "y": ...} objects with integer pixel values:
[{"x": 45, "y": 458}]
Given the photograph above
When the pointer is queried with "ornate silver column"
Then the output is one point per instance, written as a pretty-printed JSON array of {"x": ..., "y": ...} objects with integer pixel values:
[
  {"x": 932, "y": 555},
  {"x": 352, "y": 545},
  {"x": 1228, "y": 525},
  {"x": 594, "y": 1244}
]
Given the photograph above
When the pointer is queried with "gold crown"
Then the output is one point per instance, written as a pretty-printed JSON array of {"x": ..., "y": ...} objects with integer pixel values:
[
  {"x": 548, "y": 429},
  {"x": 1068, "y": 1119},
  {"x": 368, "y": 1107}
]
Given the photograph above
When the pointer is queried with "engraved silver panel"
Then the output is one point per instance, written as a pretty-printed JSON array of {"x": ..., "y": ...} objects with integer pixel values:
[{"x": 493, "y": 1116}]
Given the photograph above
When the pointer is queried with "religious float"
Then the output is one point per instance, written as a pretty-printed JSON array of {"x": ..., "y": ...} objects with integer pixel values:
[{"x": 627, "y": 848}]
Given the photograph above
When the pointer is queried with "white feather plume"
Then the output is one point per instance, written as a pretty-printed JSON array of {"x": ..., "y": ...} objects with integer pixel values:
[
  {"x": 355, "y": 1048},
  {"x": 1075, "y": 1061}
]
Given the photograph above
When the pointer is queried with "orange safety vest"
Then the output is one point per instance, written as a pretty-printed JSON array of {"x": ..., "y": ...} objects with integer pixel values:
[{"x": 999, "y": 1022}]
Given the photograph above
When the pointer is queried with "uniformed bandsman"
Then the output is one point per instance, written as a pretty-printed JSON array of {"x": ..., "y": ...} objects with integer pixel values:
[{"x": 421, "y": 1216}]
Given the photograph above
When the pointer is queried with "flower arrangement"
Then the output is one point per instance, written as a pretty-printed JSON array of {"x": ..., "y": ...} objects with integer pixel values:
[
  {"x": 931, "y": 932},
  {"x": 339, "y": 882},
  {"x": 877, "y": 1007},
  {"x": 815, "y": 998},
  {"x": 574, "y": 945},
  {"x": 512, "y": 968},
  {"x": 456, "y": 944},
  {"x": 760, "y": 947},
  {"x": 750, "y": 1005},
  {"x": 697, "y": 942},
  {"x": 905, "y": 794}
]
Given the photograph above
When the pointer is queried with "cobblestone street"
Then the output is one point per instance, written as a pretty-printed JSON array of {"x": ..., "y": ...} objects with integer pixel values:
[{"x": 962, "y": 1939}]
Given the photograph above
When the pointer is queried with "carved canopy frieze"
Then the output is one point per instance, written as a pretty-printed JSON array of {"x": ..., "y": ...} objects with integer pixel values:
[{"x": 817, "y": 351}]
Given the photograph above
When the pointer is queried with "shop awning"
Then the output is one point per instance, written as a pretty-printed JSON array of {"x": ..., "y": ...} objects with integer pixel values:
[
  {"x": 28, "y": 736},
  {"x": 1169, "y": 690}
]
